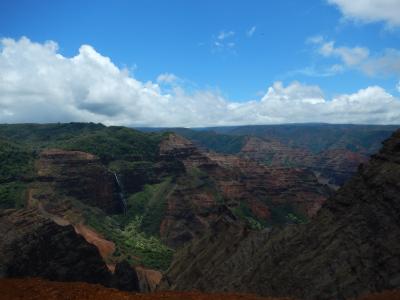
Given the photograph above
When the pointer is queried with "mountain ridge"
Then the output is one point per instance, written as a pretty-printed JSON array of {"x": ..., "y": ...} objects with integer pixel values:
[{"x": 349, "y": 248}]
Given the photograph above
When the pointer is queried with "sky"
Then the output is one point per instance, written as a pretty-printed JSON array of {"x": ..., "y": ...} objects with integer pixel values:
[{"x": 200, "y": 63}]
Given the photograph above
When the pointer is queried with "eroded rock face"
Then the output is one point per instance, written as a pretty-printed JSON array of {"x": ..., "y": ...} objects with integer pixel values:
[
  {"x": 333, "y": 166},
  {"x": 80, "y": 175},
  {"x": 212, "y": 185},
  {"x": 34, "y": 246},
  {"x": 148, "y": 279},
  {"x": 351, "y": 247}
]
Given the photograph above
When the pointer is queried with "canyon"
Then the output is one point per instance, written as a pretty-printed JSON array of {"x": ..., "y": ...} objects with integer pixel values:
[
  {"x": 136, "y": 199},
  {"x": 349, "y": 248}
]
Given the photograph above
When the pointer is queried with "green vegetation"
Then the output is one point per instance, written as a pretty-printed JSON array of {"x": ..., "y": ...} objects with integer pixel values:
[
  {"x": 318, "y": 137},
  {"x": 297, "y": 219},
  {"x": 243, "y": 212},
  {"x": 116, "y": 143},
  {"x": 131, "y": 242},
  {"x": 149, "y": 205},
  {"x": 16, "y": 168},
  {"x": 109, "y": 143},
  {"x": 284, "y": 214},
  {"x": 19, "y": 144},
  {"x": 129, "y": 152},
  {"x": 149, "y": 248},
  {"x": 12, "y": 195},
  {"x": 15, "y": 162}
]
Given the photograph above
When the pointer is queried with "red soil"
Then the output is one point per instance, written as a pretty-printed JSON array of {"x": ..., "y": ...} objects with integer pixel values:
[
  {"x": 387, "y": 295},
  {"x": 106, "y": 248},
  {"x": 38, "y": 289}
]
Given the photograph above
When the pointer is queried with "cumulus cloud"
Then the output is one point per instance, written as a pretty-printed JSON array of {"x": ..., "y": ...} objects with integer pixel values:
[
  {"x": 38, "y": 84},
  {"x": 385, "y": 63},
  {"x": 368, "y": 11}
]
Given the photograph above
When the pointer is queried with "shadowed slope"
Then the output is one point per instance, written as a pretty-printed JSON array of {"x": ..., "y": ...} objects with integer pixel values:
[{"x": 351, "y": 247}]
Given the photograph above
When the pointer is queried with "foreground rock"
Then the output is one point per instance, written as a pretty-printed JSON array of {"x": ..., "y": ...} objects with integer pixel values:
[
  {"x": 32, "y": 245},
  {"x": 350, "y": 248},
  {"x": 35, "y": 246}
]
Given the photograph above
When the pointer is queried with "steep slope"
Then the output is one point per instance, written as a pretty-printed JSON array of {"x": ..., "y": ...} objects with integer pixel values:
[
  {"x": 80, "y": 175},
  {"x": 319, "y": 137},
  {"x": 351, "y": 247},
  {"x": 332, "y": 151},
  {"x": 331, "y": 166},
  {"x": 16, "y": 170},
  {"x": 32, "y": 245},
  {"x": 213, "y": 185}
]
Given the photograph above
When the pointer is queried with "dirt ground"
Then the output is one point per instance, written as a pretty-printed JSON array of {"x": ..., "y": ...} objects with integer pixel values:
[{"x": 38, "y": 289}]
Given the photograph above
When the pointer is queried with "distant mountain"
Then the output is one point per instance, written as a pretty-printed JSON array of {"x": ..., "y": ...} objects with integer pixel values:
[
  {"x": 351, "y": 246},
  {"x": 332, "y": 152}
]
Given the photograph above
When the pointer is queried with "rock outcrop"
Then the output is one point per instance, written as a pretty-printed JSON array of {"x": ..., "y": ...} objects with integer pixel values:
[
  {"x": 148, "y": 279},
  {"x": 351, "y": 247},
  {"x": 125, "y": 278},
  {"x": 333, "y": 166},
  {"x": 80, "y": 175},
  {"x": 34, "y": 246},
  {"x": 213, "y": 185}
]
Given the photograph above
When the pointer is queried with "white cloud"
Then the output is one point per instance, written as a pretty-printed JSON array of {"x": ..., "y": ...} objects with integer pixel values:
[
  {"x": 251, "y": 31},
  {"x": 225, "y": 34},
  {"x": 370, "y": 10},
  {"x": 224, "y": 41},
  {"x": 168, "y": 78},
  {"x": 317, "y": 39},
  {"x": 398, "y": 86},
  {"x": 350, "y": 56},
  {"x": 385, "y": 63},
  {"x": 38, "y": 84},
  {"x": 313, "y": 71}
]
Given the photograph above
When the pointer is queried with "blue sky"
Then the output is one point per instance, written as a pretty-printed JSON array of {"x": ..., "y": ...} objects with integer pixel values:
[{"x": 234, "y": 49}]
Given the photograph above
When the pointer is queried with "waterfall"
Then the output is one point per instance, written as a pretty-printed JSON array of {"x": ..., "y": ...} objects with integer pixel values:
[{"x": 121, "y": 194}]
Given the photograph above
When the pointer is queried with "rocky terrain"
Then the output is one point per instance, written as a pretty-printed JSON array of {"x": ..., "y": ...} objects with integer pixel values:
[
  {"x": 79, "y": 175},
  {"x": 332, "y": 166},
  {"x": 351, "y": 247},
  {"x": 332, "y": 152},
  {"x": 135, "y": 198},
  {"x": 32, "y": 245},
  {"x": 214, "y": 184}
]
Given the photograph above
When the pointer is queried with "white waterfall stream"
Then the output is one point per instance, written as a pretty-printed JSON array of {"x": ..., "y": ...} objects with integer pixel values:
[{"x": 121, "y": 194}]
